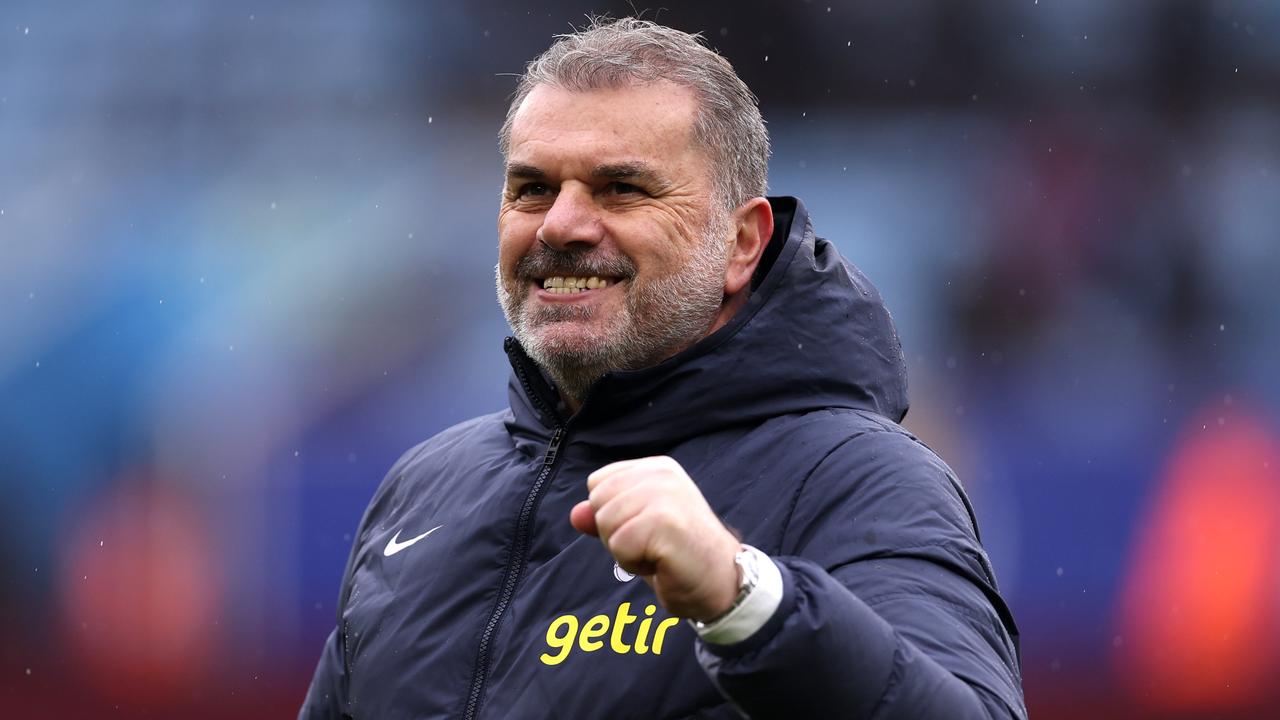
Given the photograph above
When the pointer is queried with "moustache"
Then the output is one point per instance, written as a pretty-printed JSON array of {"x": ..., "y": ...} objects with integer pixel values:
[{"x": 545, "y": 262}]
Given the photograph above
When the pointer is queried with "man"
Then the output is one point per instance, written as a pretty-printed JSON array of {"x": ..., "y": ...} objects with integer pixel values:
[{"x": 712, "y": 392}]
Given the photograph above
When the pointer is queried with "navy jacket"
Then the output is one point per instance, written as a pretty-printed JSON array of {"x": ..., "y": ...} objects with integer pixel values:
[{"x": 787, "y": 420}]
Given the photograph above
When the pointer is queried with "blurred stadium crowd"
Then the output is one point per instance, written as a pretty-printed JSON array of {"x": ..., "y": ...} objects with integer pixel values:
[{"x": 246, "y": 257}]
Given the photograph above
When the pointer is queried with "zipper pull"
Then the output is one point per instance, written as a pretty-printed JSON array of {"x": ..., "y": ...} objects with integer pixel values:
[{"x": 554, "y": 446}]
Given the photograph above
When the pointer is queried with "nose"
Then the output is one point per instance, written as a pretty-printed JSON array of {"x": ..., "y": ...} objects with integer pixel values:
[{"x": 573, "y": 220}]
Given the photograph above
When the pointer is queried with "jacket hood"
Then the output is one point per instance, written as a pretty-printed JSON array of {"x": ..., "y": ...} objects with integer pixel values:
[{"x": 814, "y": 334}]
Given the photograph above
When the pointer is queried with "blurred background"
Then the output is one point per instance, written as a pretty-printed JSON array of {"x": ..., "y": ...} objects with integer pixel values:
[{"x": 246, "y": 257}]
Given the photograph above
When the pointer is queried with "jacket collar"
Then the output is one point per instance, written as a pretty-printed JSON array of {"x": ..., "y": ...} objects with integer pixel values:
[{"x": 814, "y": 334}]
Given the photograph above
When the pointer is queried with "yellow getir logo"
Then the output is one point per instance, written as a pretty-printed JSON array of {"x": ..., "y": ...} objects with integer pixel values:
[{"x": 564, "y": 633}]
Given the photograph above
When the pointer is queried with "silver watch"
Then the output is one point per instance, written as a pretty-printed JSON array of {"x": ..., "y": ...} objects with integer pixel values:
[{"x": 748, "y": 562}]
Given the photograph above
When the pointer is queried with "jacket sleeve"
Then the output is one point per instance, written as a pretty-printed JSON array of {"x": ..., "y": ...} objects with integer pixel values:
[
  {"x": 889, "y": 608},
  {"x": 329, "y": 697},
  {"x": 326, "y": 698}
]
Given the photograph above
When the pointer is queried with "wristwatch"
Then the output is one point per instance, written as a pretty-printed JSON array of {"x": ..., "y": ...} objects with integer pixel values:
[{"x": 748, "y": 562}]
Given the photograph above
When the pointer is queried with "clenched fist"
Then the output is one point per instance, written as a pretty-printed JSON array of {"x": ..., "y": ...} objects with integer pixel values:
[{"x": 654, "y": 521}]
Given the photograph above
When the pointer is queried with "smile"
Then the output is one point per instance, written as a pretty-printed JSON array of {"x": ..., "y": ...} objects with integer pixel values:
[{"x": 566, "y": 285}]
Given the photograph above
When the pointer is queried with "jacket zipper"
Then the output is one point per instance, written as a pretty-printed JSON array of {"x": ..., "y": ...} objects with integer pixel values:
[{"x": 515, "y": 567}]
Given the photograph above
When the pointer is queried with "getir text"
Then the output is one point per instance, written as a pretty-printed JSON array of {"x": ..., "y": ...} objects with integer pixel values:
[{"x": 565, "y": 631}]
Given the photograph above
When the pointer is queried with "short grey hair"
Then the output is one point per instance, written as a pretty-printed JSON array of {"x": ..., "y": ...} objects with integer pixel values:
[{"x": 618, "y": 53}]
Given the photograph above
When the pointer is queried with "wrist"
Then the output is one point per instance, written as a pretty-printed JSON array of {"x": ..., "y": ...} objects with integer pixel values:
[
  {"x": 743, "y": 574},
  {"x": 727, "y": 585},
  {"x": 760, "y": 593}
]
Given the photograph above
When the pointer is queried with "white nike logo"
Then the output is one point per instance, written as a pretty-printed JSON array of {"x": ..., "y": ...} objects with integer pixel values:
[{"x": 394, "y": 547}]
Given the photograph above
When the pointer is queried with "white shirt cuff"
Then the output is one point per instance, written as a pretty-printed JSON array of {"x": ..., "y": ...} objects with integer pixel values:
[{"x": 753, "y": 612}]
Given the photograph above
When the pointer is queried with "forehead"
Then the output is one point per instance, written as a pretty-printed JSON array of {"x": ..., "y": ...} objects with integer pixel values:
[{"x": 651, "y": 122}]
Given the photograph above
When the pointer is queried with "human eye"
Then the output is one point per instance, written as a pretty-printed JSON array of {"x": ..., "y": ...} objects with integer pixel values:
[
  {"x": 532, "y": 189},
  {"x": 623, "y": 188}
]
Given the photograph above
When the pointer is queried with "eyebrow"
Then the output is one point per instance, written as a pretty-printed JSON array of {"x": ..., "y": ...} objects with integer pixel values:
[
  {"x": 636, "y": 171},
  {"x": 628, "y": 171},
  {"x": 520, "y": 170}
]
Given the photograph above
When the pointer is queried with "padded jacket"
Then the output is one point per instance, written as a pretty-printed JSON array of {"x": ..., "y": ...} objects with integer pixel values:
[{"x": 787, "y": 419}]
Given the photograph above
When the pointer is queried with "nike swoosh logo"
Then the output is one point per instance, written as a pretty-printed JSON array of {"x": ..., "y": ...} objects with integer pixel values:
[{"x": 394, "y": 546}]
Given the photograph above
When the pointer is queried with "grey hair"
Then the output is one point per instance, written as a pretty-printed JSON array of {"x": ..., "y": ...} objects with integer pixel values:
[{"x": 630, "y": 51}]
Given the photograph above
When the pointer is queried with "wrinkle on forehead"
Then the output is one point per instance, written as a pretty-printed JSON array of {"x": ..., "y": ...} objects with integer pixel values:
[{"x": 656, "y": 118}]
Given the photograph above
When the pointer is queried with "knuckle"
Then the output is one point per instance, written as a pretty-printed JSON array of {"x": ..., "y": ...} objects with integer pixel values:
[{"x": 624, "y": 544}]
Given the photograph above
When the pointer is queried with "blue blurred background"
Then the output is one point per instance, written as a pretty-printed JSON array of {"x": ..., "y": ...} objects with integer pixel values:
[{"x": 246, "y": 257}]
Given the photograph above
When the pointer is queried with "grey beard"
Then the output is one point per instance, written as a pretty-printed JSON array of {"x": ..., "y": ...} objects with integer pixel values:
[{"x": 663, "y": 317}]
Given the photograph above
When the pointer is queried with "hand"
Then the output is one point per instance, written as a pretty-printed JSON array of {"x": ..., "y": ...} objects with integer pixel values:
[{"x": 655, "y": 522}]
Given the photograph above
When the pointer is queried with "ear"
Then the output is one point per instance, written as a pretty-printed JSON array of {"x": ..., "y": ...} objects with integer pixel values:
[{"x": 753, "y": 221}]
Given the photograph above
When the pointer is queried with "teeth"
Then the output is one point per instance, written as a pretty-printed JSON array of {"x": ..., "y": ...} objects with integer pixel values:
[{"x": 560, "y": 285}]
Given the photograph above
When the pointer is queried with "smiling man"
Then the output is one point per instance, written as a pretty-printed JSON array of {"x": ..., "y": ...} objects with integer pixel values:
[
  {"x": 589, "y": 292},
  {"x": 700, "y": 502}
]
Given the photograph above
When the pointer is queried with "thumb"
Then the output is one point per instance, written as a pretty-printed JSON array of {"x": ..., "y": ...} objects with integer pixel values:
[{"x": 583, "y": 518}]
